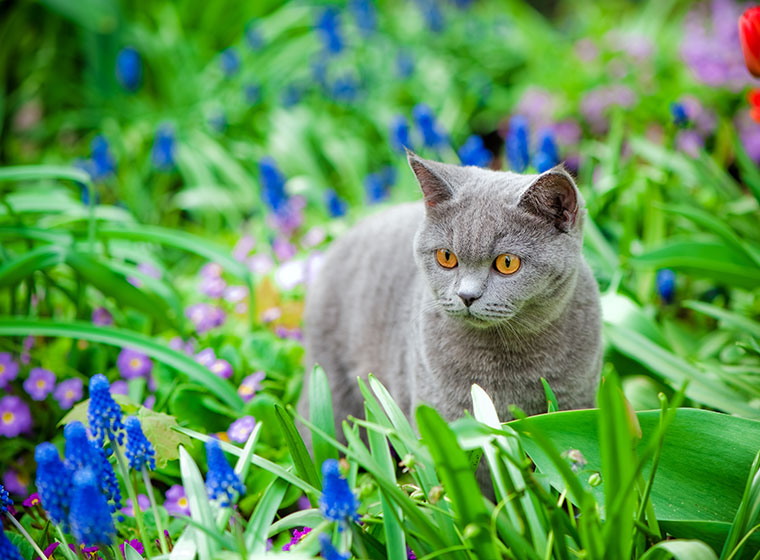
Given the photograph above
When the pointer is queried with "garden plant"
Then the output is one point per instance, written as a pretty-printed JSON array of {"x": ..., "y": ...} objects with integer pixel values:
[{"x": 171, "y": 173}]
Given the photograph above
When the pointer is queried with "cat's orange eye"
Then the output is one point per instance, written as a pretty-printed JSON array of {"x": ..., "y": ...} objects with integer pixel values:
[
  {"x": 506, "y": 263},
  {"x": 446, "y": 258}
]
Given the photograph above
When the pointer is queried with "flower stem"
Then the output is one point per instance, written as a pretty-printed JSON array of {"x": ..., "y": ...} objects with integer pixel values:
[
  {"x": 67, "y": 552},
  {"x": 26, "y": 535},
  {"x": 132, "y": 496},
  {"x": 154, "y": 505}
]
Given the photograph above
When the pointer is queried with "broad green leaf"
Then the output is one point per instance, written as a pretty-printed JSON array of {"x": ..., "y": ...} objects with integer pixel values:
[
  {"x": 298, "y": 452},
  {"x": 458, "y": 479},
  {"x": 707, "y": 259},
  {"x": 702, "y": 387},
  {"x": 321, "y": 415},
  {"x": 126, "y": 339},
  {"x": 13, "y": 271},
  {"x": 130, "y": 553},
  {"x": 303, "y": 518},
  {"x": 200, "y": 508},
  {"x": 703, "y": 468},
  {"x": 680, "y": 550},
  {"x": 158, "y": 428}
]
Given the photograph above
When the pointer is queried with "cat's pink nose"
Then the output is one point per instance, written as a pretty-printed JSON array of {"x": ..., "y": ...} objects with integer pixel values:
[{"x": 468, "y": 297}]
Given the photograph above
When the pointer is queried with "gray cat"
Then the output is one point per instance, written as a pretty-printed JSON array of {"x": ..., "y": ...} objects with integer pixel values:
[{"x": 481, "y": 282}]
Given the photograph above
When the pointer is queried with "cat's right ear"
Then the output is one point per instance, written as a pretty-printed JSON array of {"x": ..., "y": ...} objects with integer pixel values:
[{"x": 435, "y": 189}]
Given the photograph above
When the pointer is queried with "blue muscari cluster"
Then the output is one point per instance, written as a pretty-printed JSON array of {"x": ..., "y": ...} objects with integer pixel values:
[
  {"x": 102, "y": 159},
  {"x": 84, "y": 453},
  {"x": 162, "y": 153},
  {"x": 8, "y": 550},
  {"x": 399, "y": 133},
  {"x": 474, "y": 152},
  {"x": 253, "y": 37},
  {"x": 432, "y": 135},
  {"x": 139, "y": 451},
  {"x": 365, "y": 15},
  {"x": 272, "y": 185},
  {"x": 404, "y": 64},
  {"x": 90, "y": 518},
  {"x": 377, "y": 185},
  {"x": 252, "y": 93},
  {"x": 666, "y": 284},
  {"x": 345, "y": 88},
  {"x": 328, "y": 28},
  {"x": 337, "y": 502},
  {"x": 431, "y": 12},
  {"x": 516, "y": 144},
  {"x": 217, "y": 121},
  {"x": 336, "y": 206},
  {"x": 103, "y": 414},
  {"x": 5, "y": 500},
  {"x": 53, "y": 484},
  {"x": 129, "y": 68},
  {"x": 679, "y": 113},
  {"x": 221, "y": 480},
  {"x": 291, "y": 95},
  {"x": 229, "y": 61},
  {"x": 329, "y": 552},
  {"x": 547, "y": 155}
]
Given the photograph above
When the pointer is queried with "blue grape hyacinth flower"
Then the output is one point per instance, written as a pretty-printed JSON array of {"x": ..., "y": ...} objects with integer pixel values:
[
  {"x": 329, "y": 552},
  {"x": 337, "y": 502},
  {"x": 53, "y": 484},
  {"x": 328, "y": 27},
  {"x": 424, "y": 118},
  {"x": 666, "y": 284},
  {"x": 547, "y": 155},
  {"x": 103, "y": 414},
  {"x": 404, "y": 64},
  {"x": 102, "y": 163},
  {"x": 129, "y": 68},
  {"x": 516, "y": 144},
  {"x": 221, "y": 480},
  {"x": 336, "y": 206},
  {"x": 229, "y": 61},
  {"x": 164, "y": 147},
  {"x": 272, "y": 185},
  {"x": 5, "y": 500},
  {"x": 90, "y": 518},
  {"x": 8, "y": 550},
  {"x": 365, "y": 15},
  {"x": 679, "y": 113},
  {"x": 399, "y": 134},
  {"x": 84, "y": 453},
  {"x": 474, "y": 152},
  {"x": 253, "y": 37},
  {"x": 139, "y": 451}
]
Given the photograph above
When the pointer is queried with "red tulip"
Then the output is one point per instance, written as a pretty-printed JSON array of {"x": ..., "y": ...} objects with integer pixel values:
[{"x": 749, "y": 34}]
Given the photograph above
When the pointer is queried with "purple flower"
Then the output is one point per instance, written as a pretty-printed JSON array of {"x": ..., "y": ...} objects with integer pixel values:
[
  {"x": 298, "y": 536},
  {"x": 689, "y": 142},
  {"x": 188, "y": 347},
  {"x": 32, "y": 500},
  {"x": 205, "y": 316},
  {"x": 283, "y": 249},
  {"x": 235, "y": 294},
  {"x": 134, "y": 543},
  {"x": 15, "y": 416},
  {"x": 749, "y": 134},
  {"x": 102, "y": 317},
  {"x": 313, "y": 237},
  {"x": 596, "y": 103},
  {"x": 260, "y": 264},
  {"x": 142, "y": 501},
  {"x": 221, "y": 368},
  {"x": 26, "y": 346},
  {"x": 14, "y": 483},
  {"x": 8, "y": 368},
  {"x": 150, "y": 401},
  {"x": 68, "y": 392},
  {"x": 213, "y": 287},
  {"x": 537, "y": 105},
  {"x": 292, "y": 334},
  {"x": 206, "y": 357},
  {"x": 132, "y": 364},
  {"x": 119, "y": 387},
  {"x": 176, "y": 502},
  {"x": 250, "y": 385},
  {"x": 40, "y": 383},
  {"x": 243, "y": 247},
  {"x": 241, "y": 428}
]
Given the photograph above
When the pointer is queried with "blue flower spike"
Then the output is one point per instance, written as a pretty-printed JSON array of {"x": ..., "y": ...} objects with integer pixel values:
[
  {"x": 516, "y": 144},
  {"x": 680, "y": 115},
  {"x": 221, "y": 481},
  {"x": 666, "y": 284},
  {"x": 90, "y": 518},
  {"x": 5, "y": 500},
  {"x": 139, "y": 452},
  {"x": 337, "y": 502},
  {"x": 547, "y": 155},
  {"x": 53, "y": 484},
  {"x": 8, "y": 550},
  {"x": 103, "y": 413},
  {"x": 328, "y": 550},
  {"x": 84, "y": 453}
]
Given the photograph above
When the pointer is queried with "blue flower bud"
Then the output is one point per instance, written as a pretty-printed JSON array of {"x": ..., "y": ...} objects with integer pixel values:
[
  {"x": 337, "y": 502},
  {"x": 329, "y": 552},
  {"x": 666, "y": 284},
  {"x": 399, "y": 133},
  {"x": 139, "y": 451},
  {"x": 336, "y": 207}
]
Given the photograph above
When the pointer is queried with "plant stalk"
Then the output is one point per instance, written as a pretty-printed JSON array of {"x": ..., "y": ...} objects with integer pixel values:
[
  {"x": 26, "y": 535},
  {"x": 154, "y": 505},
  {"x": 132, "y": 496}
]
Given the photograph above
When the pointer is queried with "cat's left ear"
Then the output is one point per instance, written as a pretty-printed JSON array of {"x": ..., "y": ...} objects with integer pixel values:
[
  {"x": 434, "y": 186},
  {"x": 555, "y": 197}
]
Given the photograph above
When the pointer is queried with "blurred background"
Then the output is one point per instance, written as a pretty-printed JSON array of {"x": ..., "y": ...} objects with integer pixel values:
[{"x": 218, "y": 147}]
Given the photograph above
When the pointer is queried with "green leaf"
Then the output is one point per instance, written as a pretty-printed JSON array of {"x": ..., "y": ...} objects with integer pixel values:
[
  {"x": 200, "y": 508},
  {"x": 703, "y": 467},
  {"x": 122, "y": 338},
  {"x": 702, "y": 387},
  {"x": 130, "y": 553},
  {"x": 551, "y": 400},
  {"x": 298, "y": 452},
  {"x": 263, "y": 516},
  {"x": 680, "y": 550},
  {"x": 15, "y": 270},
  {"x": 321, "y": 415},
  {"x": 303, "y": 518},
  {"x": 159, "y": 429},
  {"x": 733, "y": 320},
  {"x": 458, "y": 479},
  {"x": 79, "y": 412}
]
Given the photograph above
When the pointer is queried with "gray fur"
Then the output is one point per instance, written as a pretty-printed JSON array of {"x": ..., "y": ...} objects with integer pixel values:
[{"x": 382, "y": 304}]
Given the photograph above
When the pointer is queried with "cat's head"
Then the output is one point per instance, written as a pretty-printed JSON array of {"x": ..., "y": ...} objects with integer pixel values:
[{"x": 498, "y": 248}]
